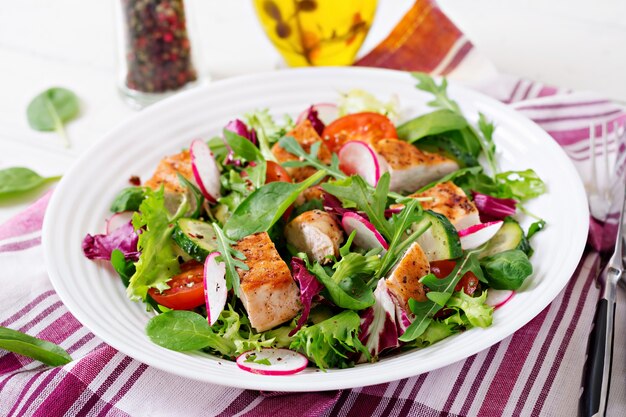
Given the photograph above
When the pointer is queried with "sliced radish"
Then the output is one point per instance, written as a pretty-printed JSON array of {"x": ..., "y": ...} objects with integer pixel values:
[
  {"x": 326, "y": 112},
  {"x": 117, "y": 220},
  {"x": 498, "y": 298},
  {"x": 282, "y": 361},
  {"x": 367, "y": 237},
  {"x": 478, "y": 234},
  {"x": 356, "y": 157},
  {"x": 215, "y": 291},
  {"x": 205, "y": 170}
]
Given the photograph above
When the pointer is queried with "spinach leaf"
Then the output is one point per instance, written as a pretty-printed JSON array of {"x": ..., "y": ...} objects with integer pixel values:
[
  {"x": 232, "y": 259},
  {"x": 265, "y": 206},
  {"x": 469, "y": 171},
  {"x": 194, "y": 197},
  {"x": 125, "y": 269},
  {"x": 452, "y": 145},
  {"x": 41, "y": 350},
  {"x": 50, "y": 110},
  {"x": 183, "y": 331},
  {"x": 506, "y": 270},
  {"x": 129, "y": 199},
  {"x": 18, "y": 180},
  {"x": 439, "y": 121}
]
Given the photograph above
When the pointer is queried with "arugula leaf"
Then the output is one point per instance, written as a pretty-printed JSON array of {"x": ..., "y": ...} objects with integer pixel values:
[
  {"x": 50, "y": 110},
  {"x": 265, "y": 206},
  {"x": 330, "y": 342},
  {"x": 32, "y": 347},
  {"x": 129, "y": 199},
  {"x": 453, "y": 176},
  {"x": 535, "y": 227},
  {"x": 310, "y": 158},
  {"x": 18, "y": 180},
  {"x": 346, "y": 286},
  {"x": 482, "y": 136},
  {"x": 429, "y": 124},
  {"x": 358, "y": 191},
  {"x": 232, "y": 259},
  {"x": 425, "y": 310},
  {"x": 158, "y": 261},
  {"x": 507, "y": 270},
  {"x": 436, "y": 331},
  {"x": 267, "y": 130}
]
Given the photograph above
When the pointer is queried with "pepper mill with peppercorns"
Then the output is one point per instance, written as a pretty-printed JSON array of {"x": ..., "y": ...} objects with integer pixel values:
[{"x": 155, "y": 56}]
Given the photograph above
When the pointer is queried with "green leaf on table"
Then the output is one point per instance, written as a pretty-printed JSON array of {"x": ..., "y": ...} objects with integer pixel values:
[
  {"x": 265, "y": 206},
  {"x": 129, "y": 199},
  {"x": 18, "y": 180},
  {"x": 429, "y": 124},
  {"x": 41, "y": 350},
  {"x": 50, "y": 110}
]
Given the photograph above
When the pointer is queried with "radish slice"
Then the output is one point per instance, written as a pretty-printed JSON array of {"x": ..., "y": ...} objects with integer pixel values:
[
  {"x": 205, "y": 170},
  {"x": 326, "y": 112},
  {"x": 356, "y": 157},
  {"x": 475, "y": 236},
  {"x": 367, "y": 237},
  {"x": 215, "y": 292},
  {"x": 117, "y": 220},
  {"x": 282, "y": 361},
  {"x": 498, "y": 298}
]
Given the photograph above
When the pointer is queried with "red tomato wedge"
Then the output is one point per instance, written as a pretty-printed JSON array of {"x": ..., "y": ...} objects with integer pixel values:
[
  {"x": 276, "y": 173},
  {"x": 441, "y": 269},
  {"x": 186, "y": 290},
  {"x": 359, "y": 126}
]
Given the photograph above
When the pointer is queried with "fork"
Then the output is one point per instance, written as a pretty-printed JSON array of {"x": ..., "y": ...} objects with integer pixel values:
[{"x": 606, "y": 203}]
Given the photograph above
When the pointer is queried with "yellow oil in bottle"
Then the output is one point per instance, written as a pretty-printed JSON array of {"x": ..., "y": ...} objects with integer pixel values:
[{"x": 316, "y": 32}]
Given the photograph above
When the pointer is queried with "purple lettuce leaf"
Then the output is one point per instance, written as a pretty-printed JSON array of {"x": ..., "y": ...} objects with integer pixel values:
[
  {"x": 493, "y": 208},
  {"x": 240, "y": 128},
  {"x": 313, "y": 117},
  {"x": 123, "y": 238},
  {"x": 309, "y": 288},
  {"x": 379, "y": 330}
]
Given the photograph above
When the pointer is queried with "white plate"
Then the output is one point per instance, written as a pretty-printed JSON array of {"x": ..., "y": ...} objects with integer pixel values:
[{"x": 95, "y": 295}]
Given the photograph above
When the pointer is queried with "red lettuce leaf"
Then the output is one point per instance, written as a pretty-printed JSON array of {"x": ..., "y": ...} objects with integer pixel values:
[
  {"x": 493, "y": 208},
  {"x": 124, "y": 238},
  {"x": 309, "y": 288},
  {"x": 312, "y": 116},
  {"x": 379, "y": 330}
]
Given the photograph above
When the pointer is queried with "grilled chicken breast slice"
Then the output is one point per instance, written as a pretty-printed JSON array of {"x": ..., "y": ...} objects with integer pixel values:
[
  {"x": 306, "y": 136},
  {"x": 165, "y": 173},
  {"x": 403, "y": 281},
  {"x": 268, "y": 291},
  {"x": 451, "y": 201},
  {"x": 410, "y": 168},
  {"x": 317, "y": 233}
]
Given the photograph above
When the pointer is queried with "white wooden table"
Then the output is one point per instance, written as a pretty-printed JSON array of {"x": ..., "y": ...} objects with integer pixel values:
[{"x": 71, "y": 43}]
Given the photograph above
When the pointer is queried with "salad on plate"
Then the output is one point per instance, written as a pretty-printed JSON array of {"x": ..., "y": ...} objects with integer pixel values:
[{"x": 333, "y": 239}]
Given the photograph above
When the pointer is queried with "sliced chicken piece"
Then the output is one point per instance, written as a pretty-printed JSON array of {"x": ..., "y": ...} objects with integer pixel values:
[
  {"x": 166, "y": 171},
  {"x": 268, "y": 292},
  {"x": 410, "y": 168},
  {"x": 451, "y": 201},
  {"x": 317, "y": 233},
  {"x": 306, "y": 136},
  {"x": 403, "y": 281}
]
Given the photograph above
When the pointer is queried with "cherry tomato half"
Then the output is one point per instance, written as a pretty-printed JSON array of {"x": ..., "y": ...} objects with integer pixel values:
[
  {"x": 186, "y": 290},
  {"x": 275, "y": 172},
  {"x": 359, "y": 126},
  {"x": 441, "y": 269}
]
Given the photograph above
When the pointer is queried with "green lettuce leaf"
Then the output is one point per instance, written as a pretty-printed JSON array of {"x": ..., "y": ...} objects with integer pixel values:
[{"x": 477, "y": 313}]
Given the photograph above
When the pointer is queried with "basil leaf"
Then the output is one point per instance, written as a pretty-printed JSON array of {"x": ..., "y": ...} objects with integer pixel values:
[
  {"x": 18, "y": 180},
  {"x": 507, "y": 270},
  {"x": 41, "y": 350},
  {"x": 265, "y": 206},
  {"x": 50, "y": 110},
  {"x": 429, "y": 124},
  {"x": 129, "y": 199}
]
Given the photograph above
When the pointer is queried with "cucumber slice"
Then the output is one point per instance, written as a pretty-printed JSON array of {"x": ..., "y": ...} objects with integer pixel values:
[
  {"x": 195, "y": 237},
  {"x": 510, "y": 236},
  {"x": 440, "y": 241}
]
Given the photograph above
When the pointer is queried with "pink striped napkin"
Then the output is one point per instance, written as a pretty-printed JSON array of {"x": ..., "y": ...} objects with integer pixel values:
[{"x": 535, "y": 372}]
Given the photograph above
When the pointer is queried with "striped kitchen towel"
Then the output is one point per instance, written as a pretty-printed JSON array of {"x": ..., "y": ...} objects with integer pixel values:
[{"x": 534, "y": 372}]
